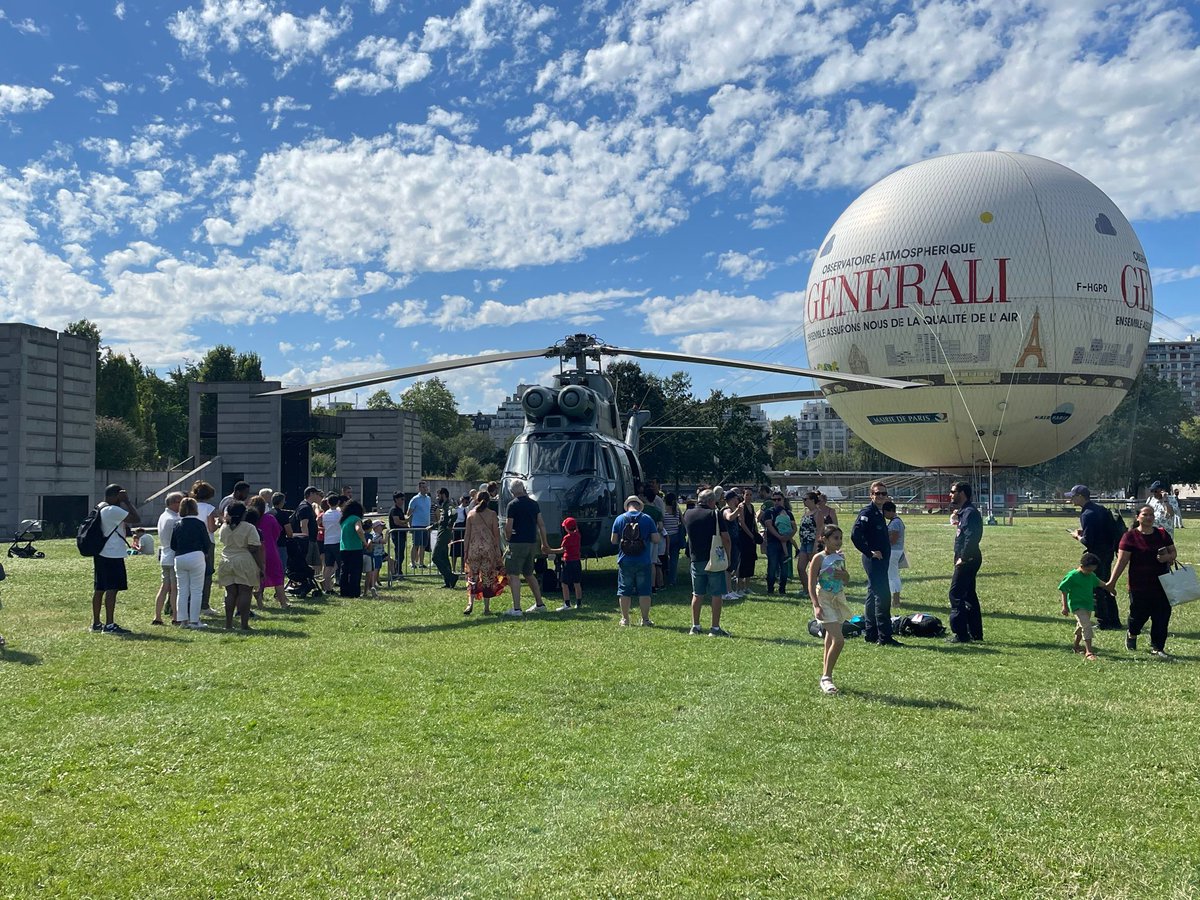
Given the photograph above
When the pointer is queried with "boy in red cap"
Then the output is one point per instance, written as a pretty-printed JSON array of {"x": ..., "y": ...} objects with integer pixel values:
[{"x": 572, "y": 568}]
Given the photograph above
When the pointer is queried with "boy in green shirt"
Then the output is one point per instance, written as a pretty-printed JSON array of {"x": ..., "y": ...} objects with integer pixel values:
[{"x": 1078, "y": 597}]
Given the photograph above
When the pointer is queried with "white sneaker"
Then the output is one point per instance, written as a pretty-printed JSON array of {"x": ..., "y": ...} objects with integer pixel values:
[
  {"x": 512, "y": 612},
  {"x": 537, "y": 608},
  {"x": 729, "y": 597},
  {"x": 564, "y": 608}
]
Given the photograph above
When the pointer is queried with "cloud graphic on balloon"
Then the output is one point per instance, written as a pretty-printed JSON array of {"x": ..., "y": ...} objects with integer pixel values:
[
  {"x": 1104, "y": 225},
  {"x": 828, "y": 248}
]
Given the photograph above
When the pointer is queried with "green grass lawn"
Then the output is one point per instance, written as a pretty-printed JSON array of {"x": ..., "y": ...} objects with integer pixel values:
[{"x": 394, "y": 747}]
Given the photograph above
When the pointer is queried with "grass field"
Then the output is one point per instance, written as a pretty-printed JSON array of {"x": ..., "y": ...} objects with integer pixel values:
[{"x": 394, "y": 747}]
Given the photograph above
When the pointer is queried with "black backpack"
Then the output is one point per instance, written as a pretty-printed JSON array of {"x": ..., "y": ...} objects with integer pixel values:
[
  {"x": 851, "y": 628},
  {"x": 90, "y": 538},
  {"x": 632, "y": 542},
  {"x": 918, "y": 625},
  {"x": 1117, "y": 527}
]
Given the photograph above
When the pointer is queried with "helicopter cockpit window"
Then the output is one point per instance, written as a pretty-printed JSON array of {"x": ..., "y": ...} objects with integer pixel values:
[
  {"x": 583, "y": 459},
  {"x": 548, "y": 454}
]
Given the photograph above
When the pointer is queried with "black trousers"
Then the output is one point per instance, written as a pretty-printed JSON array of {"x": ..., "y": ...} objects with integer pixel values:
[
  {"x": 1154, "y": 607},
  {"x": 350, "y": 583},
  {"x": 966, "y": 619},
  {"x": 1107, "y": 614}
]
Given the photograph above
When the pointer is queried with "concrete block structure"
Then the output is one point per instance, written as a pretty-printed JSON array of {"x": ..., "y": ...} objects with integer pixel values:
[
  {"x": 47, "y": 426},
  {"x": 382, "y": 448}
]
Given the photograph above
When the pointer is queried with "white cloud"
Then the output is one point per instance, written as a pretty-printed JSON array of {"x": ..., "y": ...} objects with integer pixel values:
[
  {"x": 481, "y": 24},
  {"x": 392, "y": 66},
  {"x": 1168, "y": 275},
  {"x": 113, "y": 87},
  {"x": 281, "y": 105},
  {"x": 119, "y": 10},
  {"x": 379, "y": 7},
  {"x": 715, "y": 323},
  {"x": 747, "y": 266},
  {"x": 25, "y": 26},
  {"x": 283, "y": 36},
  {"x": 459, "y": 314},
  {"x": 457, "y": 205},
  {"x": 17, "y": 98}
]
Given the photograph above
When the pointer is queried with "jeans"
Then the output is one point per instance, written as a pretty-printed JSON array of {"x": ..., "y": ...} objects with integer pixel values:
[
  {"x": 189, "y": 573},
  {"x": 878, "y": 614},
  {"x": 441, "y": 559},
  {"x": 777, "y": 566},
  {"x": 634, "y": 579},
  {"x": 673, "y": 558},
  {"x": 966, "y": 619}
]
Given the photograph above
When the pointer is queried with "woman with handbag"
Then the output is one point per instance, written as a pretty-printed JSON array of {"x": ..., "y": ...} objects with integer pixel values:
[
  {"x": 708, "y": 542},
  {"x": 1148, "y": 552}
]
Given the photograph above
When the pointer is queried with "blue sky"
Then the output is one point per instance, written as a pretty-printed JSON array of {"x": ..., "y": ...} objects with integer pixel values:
[{"x": 373, "y": 184}]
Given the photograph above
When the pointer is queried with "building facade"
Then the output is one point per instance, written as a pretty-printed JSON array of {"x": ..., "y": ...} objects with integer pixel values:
[
  {"x": 47, "y": 426},
  {"x": 1178, "y": 361},
  {"x": 819, "y": 429}
]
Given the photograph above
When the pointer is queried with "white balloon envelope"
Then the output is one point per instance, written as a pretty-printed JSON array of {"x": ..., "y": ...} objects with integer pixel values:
[{"x": 1008, "y": 284}]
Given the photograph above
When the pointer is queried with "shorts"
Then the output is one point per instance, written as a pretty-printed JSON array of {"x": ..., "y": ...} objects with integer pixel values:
[
  {"x": 109, "y": 574},
  {"x": 368, "y": 563},
  {"x": 808, "y": 547},
  {"x": 572, "y": 572},
  {"x": 168, "y": 576},
  {"x": 635, "y": 579},
  {"x": 834, "y": 609},
  {"x": 518, "y": 559},
  {"x": 312, "y": 556},
  {"x": 378, "y": 561},
  {"x": 706, "y": 583},
  {"x": 420, "y": 539},
  {"x": 332, "y": 554}
]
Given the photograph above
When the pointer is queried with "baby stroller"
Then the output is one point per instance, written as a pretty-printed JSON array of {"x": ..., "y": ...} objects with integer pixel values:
[
  {"x": 26, "y": 531},
  {"x": 301, "y": 579}
]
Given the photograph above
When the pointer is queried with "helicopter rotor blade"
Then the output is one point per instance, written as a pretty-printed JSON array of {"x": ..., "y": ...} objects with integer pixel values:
[
  {"x": 777, "y": 397},
  {"x": 446, "y": 365},
  {"x": 822, "y": 374}
]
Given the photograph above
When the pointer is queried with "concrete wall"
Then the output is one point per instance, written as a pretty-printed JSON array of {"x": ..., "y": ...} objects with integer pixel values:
[
  {"x": 142, "y": 486},
  {"x": 47, "y": 420},
  {"x": 248, "y": 429},
  {"x": 383, "y": 444}
]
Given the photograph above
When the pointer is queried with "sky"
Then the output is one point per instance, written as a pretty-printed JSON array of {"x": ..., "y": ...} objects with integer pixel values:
[{"x": 373, "y": 184}]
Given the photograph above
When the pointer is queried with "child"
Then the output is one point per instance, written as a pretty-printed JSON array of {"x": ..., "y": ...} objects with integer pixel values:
[
  {"x": 897, "y": 560},
  {"x": 377, "y": 541},
  {"x": 1078, "y": 590},
  {"x": 572, "y": 568},
  {"x": 827, "y": 580}
]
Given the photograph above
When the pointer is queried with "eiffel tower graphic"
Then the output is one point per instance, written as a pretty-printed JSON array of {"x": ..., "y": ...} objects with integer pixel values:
[{"x": 1033, "y": 343}]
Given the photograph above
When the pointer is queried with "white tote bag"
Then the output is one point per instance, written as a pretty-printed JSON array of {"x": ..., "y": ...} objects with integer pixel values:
[
  {"x": 717, "y": 560},
  {"x": 1181, "y": 585}
]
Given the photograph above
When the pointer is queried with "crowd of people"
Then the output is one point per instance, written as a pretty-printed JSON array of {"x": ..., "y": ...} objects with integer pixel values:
[{"x": 329, "y": 539}]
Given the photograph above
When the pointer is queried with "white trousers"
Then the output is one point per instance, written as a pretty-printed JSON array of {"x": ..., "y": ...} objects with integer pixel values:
[
  {"x": 894, "y": 572},
  {"x": 189, "y": 572}
]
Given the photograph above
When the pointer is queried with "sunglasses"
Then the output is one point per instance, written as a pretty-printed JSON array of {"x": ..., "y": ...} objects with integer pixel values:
[{"x": 879, "y": 493}]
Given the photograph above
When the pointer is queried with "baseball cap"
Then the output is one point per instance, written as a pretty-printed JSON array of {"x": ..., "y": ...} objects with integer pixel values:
[
  {"x": 569, "y": 523},
  {"x": 1159, "y": 486},
  {"x": 1079, "y": 489}
]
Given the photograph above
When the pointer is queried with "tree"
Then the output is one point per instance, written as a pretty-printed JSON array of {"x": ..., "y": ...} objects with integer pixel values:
[
  {"x": 116, "y": 386},
  {"x": 381, "y": 399},
  {"x": 436, "y": 406},
  {"x": 85, "y": 328},
  {"x": 322, "y": 465},
  {"x": 783, "y": 442},
  {"x": 117, "y": 444},
  {"x": 468, "y": 469}
]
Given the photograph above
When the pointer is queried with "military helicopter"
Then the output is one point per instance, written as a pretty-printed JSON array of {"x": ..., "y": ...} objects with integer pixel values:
[{"x": 572, "y": 455}]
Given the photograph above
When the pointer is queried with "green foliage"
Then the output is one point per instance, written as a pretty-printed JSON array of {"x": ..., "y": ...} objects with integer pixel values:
[
  {"x": 117, "y": 386},
  {"x": 491, "y": 472},
  {"x": 84, "y": 328},
  {"x": 435, "y": 404},
  {"x": 322, "y": 464},
  {"x": 469, "y": 469},
  {"x": 783, "y": 442},
  {"x": 381, "y": 399},
  {"x": 117, "y": 444},
  {"x": 1149, "y": 436},
  {"x": 361, "y": 748}
]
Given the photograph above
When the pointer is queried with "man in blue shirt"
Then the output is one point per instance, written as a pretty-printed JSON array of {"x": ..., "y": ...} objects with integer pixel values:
[
  {"x": 419, "y": 519},
  {"x": 870, "y": 536},
  {"x": 966, "y": 619},
  {"x": 635, "y": 575}
]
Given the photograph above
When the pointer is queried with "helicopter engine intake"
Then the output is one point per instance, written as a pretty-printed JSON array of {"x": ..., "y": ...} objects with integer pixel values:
[
  {"x": 539, "y": 402},
  {"x": 577, "y": 403}
]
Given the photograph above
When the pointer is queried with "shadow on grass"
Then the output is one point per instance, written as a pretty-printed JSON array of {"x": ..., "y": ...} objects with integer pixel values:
[
  {"x": 169, "y": 636},
  {"x": 20, "y": 657},
  {"x": 1023, "y": 617},
  {"x": 478, "y": 618},
  {"x": 255, "y": 631},
  {"x": 908, "y": 702}
]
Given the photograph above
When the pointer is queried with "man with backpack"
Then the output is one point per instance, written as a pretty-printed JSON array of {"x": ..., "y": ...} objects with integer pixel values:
[
  {"x": 102, "y": 537},
  {"x": 779, "y": 527},
  {"x": 1099, "y": 531},
  {"x": 634, "y": 534}
]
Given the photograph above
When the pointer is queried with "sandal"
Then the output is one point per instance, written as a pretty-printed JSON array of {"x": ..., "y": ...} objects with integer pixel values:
[
  {"x": 157, "y": 622},
  {"x": 470, "y": 608},
  {"x": 1091, "y": 657},
  {"x": 827, "y": 685}
]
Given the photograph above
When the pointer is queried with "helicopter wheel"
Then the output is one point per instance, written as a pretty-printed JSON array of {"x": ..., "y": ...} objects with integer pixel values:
[
  {"x": 12, "y": 553},
  {"x": 39, "y": 555}
]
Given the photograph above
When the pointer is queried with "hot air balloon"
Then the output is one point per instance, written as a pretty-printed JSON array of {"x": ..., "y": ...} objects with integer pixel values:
[{"x": 1010, "y": 286}]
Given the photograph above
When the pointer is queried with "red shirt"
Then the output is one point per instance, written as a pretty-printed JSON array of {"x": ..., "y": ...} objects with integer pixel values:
[
  {"x": 571, "y": 546},
  {"x": 1144, "y": 567}
]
